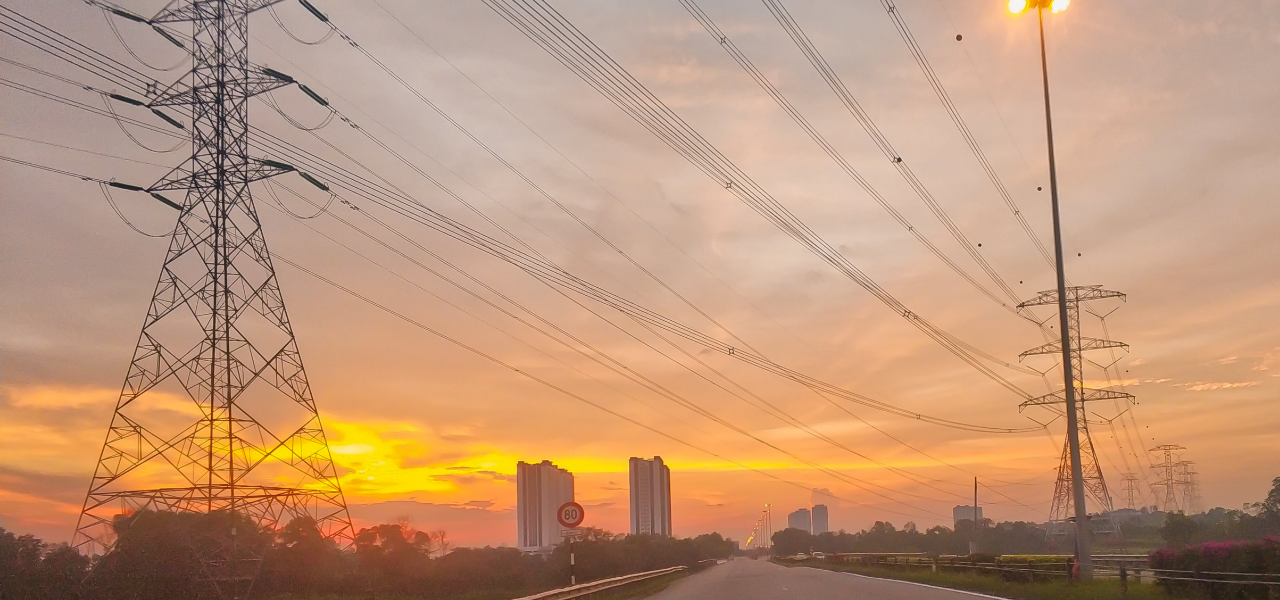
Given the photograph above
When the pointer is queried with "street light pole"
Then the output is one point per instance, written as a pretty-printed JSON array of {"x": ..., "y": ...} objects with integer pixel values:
[{"x": 1084, "y": 558}]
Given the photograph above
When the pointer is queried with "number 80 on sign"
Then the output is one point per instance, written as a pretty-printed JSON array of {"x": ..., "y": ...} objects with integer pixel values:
[{"x": 570, "y": 514}]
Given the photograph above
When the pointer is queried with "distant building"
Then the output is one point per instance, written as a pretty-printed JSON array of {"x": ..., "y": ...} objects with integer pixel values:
[
  {"x": 650, "y": 496},
  {"x": 540, "y": 490},
  {"x": 964, "y": 513},
  {"x": 820, "y": 524},
  {"x": 800, "y": 520}
]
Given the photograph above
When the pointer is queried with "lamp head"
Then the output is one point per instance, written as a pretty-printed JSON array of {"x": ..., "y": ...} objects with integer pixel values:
[{"x": 1021, "y": 6}]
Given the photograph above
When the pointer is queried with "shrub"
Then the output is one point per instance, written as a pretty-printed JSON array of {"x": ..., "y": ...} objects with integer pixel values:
[{"x": 1254, "y": 556}]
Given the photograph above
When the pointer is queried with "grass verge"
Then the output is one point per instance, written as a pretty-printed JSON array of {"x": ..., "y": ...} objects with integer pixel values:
[{"x": 1098, "y": 589}]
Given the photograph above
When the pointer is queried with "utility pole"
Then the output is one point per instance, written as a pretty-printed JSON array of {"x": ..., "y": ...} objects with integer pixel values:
[{"x": 973, "y": 547}]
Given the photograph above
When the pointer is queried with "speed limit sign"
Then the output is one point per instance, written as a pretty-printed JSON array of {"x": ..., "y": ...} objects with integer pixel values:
[{"x": 570, "y": 514}]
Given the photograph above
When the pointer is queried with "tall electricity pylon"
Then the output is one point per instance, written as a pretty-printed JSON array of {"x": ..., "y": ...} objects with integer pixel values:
[
  {"x": 216, "y": 415},
  {"x": 1131, "y": 491},
  {"x": 1169, "y": 481},
  {"x": 1190, "y": 487},
  {"x": 1063, "y": 506}
]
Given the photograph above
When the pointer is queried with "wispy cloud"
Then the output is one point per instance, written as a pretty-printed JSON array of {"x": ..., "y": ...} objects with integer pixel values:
[{"x": 1213, "y": 386}]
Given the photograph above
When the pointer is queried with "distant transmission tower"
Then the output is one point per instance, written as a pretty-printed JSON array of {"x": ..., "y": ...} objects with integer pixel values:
[
  {"x": 1168, "y": 471},
  {"x": 1190, "y": 488},
  {"x": 1131, "y": 492},
  {"x": 216, "y": 415},
  {"x": 1062, "y": 508}
]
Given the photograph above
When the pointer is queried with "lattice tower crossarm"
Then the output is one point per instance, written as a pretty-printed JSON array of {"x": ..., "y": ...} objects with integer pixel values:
[
  {"x": 1095, "y": 485},
  {"x": 216, "y": 347}
]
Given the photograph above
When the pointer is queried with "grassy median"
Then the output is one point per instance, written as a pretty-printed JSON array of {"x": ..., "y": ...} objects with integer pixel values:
[{"x": 1098, "y": 589}]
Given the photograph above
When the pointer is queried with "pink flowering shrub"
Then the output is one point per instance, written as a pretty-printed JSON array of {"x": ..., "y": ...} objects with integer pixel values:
[{"x": 1205, "y": 560}]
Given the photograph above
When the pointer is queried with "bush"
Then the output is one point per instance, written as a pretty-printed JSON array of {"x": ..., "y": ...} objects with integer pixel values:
[{"x": 1255, "y": 556}]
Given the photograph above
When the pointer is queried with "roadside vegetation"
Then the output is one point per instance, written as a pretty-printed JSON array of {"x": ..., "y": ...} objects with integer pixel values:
[
  {"x": 1099, "y": 589},
  {"x": 1216, "y": 554},
  {"x": 1149, "y": 531},
  {"x": 155, "y": 559}
]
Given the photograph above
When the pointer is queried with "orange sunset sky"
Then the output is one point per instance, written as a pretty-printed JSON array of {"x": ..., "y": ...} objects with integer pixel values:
[{"x": 1169, "y": 164}]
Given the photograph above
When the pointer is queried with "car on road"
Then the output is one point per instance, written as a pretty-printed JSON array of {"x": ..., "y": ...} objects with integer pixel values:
[{"x": 819, "y": 555}]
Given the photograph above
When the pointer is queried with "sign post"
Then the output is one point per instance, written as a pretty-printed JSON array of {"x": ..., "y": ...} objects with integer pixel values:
[{"x": 570, "y": 516}]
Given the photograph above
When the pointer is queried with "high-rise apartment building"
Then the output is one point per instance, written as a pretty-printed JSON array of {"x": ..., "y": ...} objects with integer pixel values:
[
  {"x": 800, "y": 520},
  {"x": 820, "y": 524},
  {"x": 650, "y": 496},
  {"x": 540, "y": 490},
  {"x": 964, "y": 513}
]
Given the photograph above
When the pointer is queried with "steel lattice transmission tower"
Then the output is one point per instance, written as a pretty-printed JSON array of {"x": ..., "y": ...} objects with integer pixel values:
[
  {"x": 1062, "y": 508},
  {"x": 1131, "y": 492},
  {"x": 1190, "y": 488},
  {"x": 1168, "y": 471},
  {"x": 216, "y": 415}
]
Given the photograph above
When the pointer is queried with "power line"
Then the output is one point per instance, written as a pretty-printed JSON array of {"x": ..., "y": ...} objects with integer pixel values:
[
  {"x": 840, "y": 407},
  {"x": 548, "y": 29},
  {"x": 917, "y": 53},
  {"x": 51, "y": 144},
  {"x": 410, "y": 208},
  {"x": 881, "y": 142},
  {"x": 616, "y": 366},
  {"x": 575, "y": 165},
  {"x": 626, "y": 371},
  {"x": 118, "y": 119},
  {"x": 540, "y": 380},
  {"x": 528, "y": 181},
  {"x": 768, "y": 407},
  {"x": 43, "y": 38},
  {"x": 777, "y": 412}
]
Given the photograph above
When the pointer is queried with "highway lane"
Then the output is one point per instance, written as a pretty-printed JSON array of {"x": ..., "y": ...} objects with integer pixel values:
[{"x": 746, "y": 579}]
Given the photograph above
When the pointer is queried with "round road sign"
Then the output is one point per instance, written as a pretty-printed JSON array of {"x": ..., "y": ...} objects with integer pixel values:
[{"x": 570, "y": 514}]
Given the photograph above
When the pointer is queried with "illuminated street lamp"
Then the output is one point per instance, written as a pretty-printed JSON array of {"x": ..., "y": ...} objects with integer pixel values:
[{"x": 1083, "y": 556}]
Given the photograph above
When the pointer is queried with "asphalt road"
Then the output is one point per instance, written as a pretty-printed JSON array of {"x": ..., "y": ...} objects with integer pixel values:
[{"x": 746, "y": 579}]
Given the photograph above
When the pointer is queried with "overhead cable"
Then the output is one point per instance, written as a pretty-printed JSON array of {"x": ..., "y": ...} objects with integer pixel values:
[
  {"x": 917, "y": 53},
  {"x": 409, "y": 207},
  {"x": 547, "y": 28}
]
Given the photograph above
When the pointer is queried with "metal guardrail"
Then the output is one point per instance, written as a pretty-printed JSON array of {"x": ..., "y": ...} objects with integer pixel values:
[{"x": 585, "y": 589}]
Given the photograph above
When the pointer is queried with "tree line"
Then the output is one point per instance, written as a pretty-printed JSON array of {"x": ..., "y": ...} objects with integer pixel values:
[
  {"x": 156, "y": 556},
  {"x": 1005, "y": 538},
  {"x": 1254, "y": 521}
]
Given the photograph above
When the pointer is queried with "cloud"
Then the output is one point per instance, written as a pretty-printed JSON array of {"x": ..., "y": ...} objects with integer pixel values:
[
  {"x": 1213, "y": 386},
  {"x": 496, "y": 476},
  {"x": 1268, "y": 360},
  {"x": 52, "y": 396},
  {"x": 823, "y": 496},
  {"x": 351, "y": 448}
]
